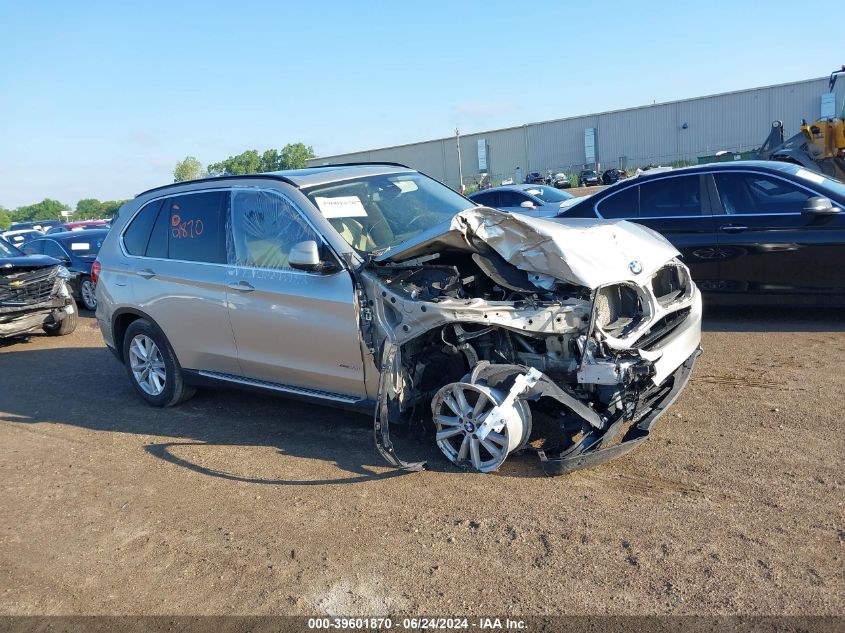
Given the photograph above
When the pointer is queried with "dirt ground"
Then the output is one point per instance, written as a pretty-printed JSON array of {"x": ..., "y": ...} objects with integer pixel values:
[{"x": 238, "y": 503}]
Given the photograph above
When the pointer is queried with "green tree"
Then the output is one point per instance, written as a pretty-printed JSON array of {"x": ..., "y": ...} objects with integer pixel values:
[
  {"x": 272, "y": 160},
  {"x": 248, "y": 162},
  {"x": 47, "y": 209},
  {"x": 294, "y": 156},
  {"x": 5, "y": 219},
  {"x": 88, "y": 209},
  {"x": 188, "y": 169},
  {"x": 291, "y": 156},
  {"x": 108, "y": 209}
]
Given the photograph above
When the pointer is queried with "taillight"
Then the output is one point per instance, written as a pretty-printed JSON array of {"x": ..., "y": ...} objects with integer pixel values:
[{"x": 95, "y": 270}]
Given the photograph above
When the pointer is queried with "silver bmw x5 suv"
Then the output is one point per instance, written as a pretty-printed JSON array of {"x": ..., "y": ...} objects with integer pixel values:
[{"x": 375, "y": 287}]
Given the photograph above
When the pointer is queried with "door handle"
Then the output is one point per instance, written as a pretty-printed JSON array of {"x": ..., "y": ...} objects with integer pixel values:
[
  {"x": 733, "y": 228},
  {"x": 240, "y": 286},
  {"x": 146, "y": 273}
]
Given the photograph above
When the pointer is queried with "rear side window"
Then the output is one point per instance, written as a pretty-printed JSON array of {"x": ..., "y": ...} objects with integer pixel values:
[
  {"x": 743, "y": 193},
  {"x": 512, "y": 198},
  {"x": 54, "y": 250},
  {"x": 34, "y": 248},
  {"x": 486, "y": 199},
  {"x": 195, "y": 226},
  {"x": 138, "y": 234},
  {"x": 624, "y": 204},
  {"x": 671, "y": 197}
]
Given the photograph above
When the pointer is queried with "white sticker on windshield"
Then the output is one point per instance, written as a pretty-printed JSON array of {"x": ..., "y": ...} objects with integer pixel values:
[
  {"x": 341, "y": 207},
  {"x": 80, "y": 246},
  {"x": 406, "y": 186},
  {"x": 810, "y": 175},
  {"x": 533, "y": 192}
]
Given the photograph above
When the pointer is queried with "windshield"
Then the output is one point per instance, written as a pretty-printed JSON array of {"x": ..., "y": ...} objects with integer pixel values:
[
  {"x": 7, "y": 250},
  {"x": 374, "y": 213},
  {"x": 548, "y": 194},
  {"x": 588, "y": 173}
]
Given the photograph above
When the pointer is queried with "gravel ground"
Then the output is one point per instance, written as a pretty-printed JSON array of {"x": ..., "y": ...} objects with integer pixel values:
[{"x": 240, "y": 503}]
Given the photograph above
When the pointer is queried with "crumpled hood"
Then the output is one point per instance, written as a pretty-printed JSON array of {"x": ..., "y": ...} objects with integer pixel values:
[{"x": 585, "y": 252}]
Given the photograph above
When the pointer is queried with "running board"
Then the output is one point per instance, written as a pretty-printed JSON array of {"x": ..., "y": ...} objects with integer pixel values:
[{"x": 264, "y": 384}]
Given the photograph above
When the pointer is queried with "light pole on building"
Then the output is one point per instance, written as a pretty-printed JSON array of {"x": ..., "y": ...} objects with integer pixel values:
[{"x": 460, "y": 167}]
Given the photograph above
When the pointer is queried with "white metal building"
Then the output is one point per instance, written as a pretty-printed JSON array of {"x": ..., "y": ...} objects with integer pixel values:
[{"x": 653, "y": 134}]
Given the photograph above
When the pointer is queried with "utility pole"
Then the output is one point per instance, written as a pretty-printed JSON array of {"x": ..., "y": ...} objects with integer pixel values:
[{"x": 460, "y": 167}]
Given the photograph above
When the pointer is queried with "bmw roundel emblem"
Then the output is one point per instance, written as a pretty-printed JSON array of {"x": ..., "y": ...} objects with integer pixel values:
[{"x": 635, "y": 267}]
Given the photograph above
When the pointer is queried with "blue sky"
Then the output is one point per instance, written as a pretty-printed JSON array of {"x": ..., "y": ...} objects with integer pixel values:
[{"x": 100, "y": 99}]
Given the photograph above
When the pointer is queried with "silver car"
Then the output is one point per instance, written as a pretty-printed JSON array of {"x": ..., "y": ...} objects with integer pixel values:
[{"x": 374, "y": 287}]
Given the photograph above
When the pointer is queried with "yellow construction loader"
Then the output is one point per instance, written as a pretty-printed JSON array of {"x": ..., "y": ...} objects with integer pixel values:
[{"x": 820, "y": 146}]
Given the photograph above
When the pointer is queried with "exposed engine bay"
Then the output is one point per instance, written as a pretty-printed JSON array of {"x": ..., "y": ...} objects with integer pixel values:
[{"x": 514, "y": 339}]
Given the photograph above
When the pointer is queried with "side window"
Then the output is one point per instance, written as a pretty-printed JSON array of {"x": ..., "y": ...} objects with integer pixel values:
[
  {"x": 135, "y": 237},
  {"x": 34, "y": 248},
  {"x": 677, "y": 196},
  {"x": 624, "y": 204},
  {"x": 743, "y": 193},
  {"x": 265, "y": 226},
  {"x": 52, "y": 249},
  {"x": 195, "y": 226},
  {"x": 160, "y": 235},
  {"x": 486, "y": 199},
  {"x": 511, "y": 198}
]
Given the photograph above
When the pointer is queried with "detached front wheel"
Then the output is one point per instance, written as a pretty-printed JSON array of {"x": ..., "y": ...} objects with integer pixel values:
[
  {"x": 152, "y": 366},
  {"x": 460, "y": 408},
  {"x": 65, "y": 326}
]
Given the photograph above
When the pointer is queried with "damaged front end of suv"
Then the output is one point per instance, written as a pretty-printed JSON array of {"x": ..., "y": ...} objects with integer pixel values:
[{"x": 568, "y": 338}]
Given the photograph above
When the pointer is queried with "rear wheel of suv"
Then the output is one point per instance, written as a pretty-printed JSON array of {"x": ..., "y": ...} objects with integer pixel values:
[
  {"x": 65, "y": 326},
  {"x": 152, "y": 366}
]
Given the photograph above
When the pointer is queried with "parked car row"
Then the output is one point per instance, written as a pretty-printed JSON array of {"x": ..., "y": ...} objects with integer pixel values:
[
  {"x": 21, "y": 232},
  {"x": 586, "y": 178},
  {"x": 539, "y": 201},
  {"x": 77, "y": 252},
  {"x": 73, "y": 245},
  {"x": 34, "y": 294}
]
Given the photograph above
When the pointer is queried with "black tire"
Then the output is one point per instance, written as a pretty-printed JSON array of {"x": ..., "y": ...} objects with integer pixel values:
[
  {"x": 65, "y": 326},
  {"x": 174, "y": 388},
  {"x": 88, "y": 305}
]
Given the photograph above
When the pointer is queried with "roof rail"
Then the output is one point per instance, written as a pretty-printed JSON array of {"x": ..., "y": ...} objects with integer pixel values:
[
  {"x": 274, "y": 176},
  {"x": 358, "y": 164}
]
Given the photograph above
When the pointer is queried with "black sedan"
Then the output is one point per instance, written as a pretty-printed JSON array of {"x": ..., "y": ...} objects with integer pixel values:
[
  {"x": 752, "y": 232},
  {"x": 76, "y": 250}
]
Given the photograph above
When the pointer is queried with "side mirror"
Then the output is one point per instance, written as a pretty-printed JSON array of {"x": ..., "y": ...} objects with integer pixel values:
[
  {"x": 527, "y": 204},
  {"x": 819, "y": 205},
  {"x": 306, "y": 256}
]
